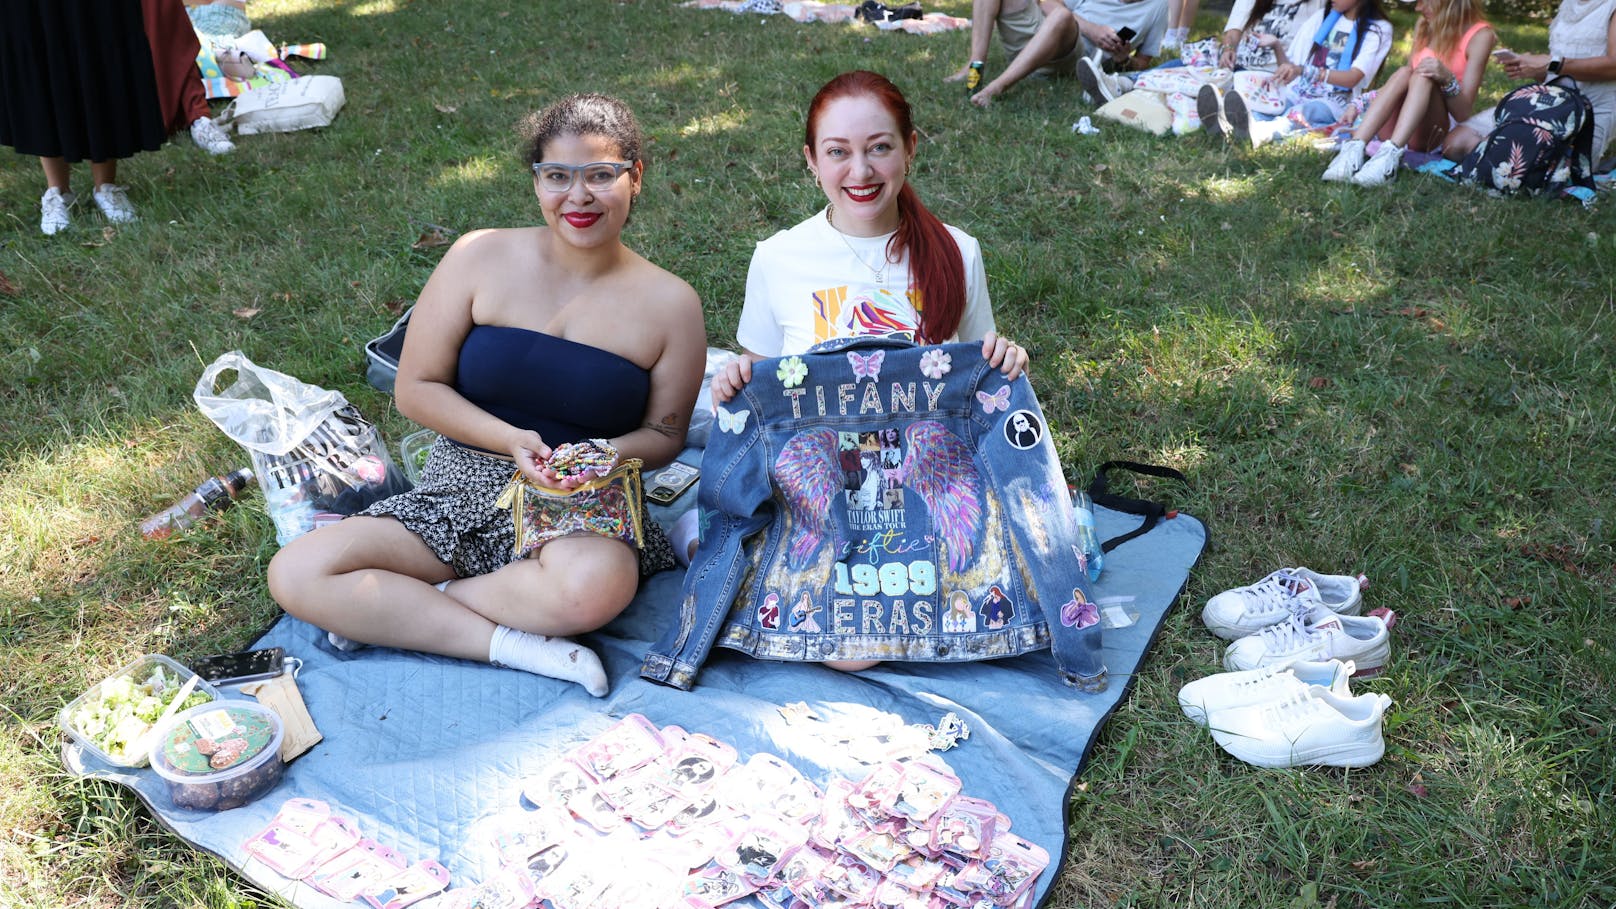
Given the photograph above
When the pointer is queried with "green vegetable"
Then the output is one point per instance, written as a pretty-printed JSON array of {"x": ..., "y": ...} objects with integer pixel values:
[{"x": 124, "y": 708}]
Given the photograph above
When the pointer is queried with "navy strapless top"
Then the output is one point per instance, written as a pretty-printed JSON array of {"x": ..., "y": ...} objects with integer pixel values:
[{"x": 563, "y": 390}]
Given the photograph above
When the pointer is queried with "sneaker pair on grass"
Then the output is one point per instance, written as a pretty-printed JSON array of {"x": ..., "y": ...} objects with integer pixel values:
[
  {"x": 1283, "y": 594},
  {"x": 113, "y": 200},
  {"x": 1102, "y": 87},
  {"x": 1349, "y": 165},
  {"x": 1224, "y": 114},
  {"x": 1301, "y": 715}
]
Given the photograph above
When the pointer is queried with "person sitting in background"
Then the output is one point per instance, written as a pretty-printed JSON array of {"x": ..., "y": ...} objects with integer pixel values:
[
  {"x": 1333, "y": 57},
  {"x": 174, "y": 46},
  {"x": 1424, "y": 99},
  {"x": 1242, "y": 47},
  {"x": 1055, "y": 38},
  {"x": 1582, "y": 46},
  {"x": 523, "y": 339},
  {"x": 1180, "y": 19}
]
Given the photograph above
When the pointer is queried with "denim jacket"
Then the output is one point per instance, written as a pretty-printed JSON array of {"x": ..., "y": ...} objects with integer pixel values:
[{"x": 876, "y": 500}]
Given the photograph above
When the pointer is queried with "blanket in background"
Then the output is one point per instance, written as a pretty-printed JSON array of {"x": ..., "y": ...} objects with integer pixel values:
[{"x": 417, "y": 747}]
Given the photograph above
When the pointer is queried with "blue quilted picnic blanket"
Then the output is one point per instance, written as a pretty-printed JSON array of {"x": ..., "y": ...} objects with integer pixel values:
[{"x": 419, "y": 747}]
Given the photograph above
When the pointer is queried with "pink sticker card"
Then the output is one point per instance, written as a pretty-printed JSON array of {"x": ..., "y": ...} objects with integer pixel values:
[
  {"x": 964, "y": 827},
  {"x": 413, "y": 884},
  {"x": 290, "y": 853},
  {"x": 629, "y": 744},
  {"x": 364, "y": 865},
  {"x": 923, "y": 792},
  {"x": 557, "y": 784}
]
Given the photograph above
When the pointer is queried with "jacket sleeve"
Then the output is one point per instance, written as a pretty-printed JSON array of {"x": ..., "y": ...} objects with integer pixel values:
[{"x": 736, "y": 501}]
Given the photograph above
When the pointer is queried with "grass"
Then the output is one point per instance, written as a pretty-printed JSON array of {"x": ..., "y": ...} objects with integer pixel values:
[{"x": 1415, "y": 383}]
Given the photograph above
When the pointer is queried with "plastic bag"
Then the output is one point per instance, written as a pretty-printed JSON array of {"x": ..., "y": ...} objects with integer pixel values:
[{"x": 316, "y": 458}]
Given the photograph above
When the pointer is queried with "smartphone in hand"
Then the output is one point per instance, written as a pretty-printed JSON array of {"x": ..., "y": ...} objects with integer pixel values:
[
  {"x": 1127, "y": 34},
  {"x": 1503, "y": 54}
]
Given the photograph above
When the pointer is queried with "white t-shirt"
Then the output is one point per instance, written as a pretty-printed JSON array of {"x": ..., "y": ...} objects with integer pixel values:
[
  {"x": 1280, "y": 21},
  {"x": 1366, "y": 57},
  {"x": 812, "y": 283}
]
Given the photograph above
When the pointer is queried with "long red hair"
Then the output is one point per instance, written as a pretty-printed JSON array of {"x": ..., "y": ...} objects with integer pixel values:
[{"x": 936, "y": 267}]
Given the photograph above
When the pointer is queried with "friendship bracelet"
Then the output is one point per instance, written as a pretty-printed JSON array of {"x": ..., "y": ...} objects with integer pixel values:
[{"x": 1453, "y": 87}]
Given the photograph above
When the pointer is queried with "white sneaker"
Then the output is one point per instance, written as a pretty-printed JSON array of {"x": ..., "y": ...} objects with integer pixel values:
[
  {"x": 1237, "y": 119},
  {"x": 1285, "y": 593},
  {"x": 1317, "y": 727},
  {"x": 1382, "y": 168},
  {"x": 1229, "y": 690},
  {"x": 1209, "y": 105},
  {"x": 1099, "y": 85},
  {"x": 113, "y": 200},
  {"x": 53, "y": 208},
  {"x": 1326, "y": 636},
  {"x": 1346, "y": 163},
  {"x": 210, "y": 138}
]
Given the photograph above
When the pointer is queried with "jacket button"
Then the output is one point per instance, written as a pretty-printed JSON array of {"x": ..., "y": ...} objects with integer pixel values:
[{"x": 942, "y": 650}]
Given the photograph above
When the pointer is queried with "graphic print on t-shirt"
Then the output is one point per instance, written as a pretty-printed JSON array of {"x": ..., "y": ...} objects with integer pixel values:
[{"x": 852, "y": 311}]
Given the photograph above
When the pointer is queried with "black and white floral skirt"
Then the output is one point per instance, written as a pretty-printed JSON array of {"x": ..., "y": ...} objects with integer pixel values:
[{"x": 452, "y": 511}]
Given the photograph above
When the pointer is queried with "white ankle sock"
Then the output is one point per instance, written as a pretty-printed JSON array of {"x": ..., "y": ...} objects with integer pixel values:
[{"x": 556, "y": 658}]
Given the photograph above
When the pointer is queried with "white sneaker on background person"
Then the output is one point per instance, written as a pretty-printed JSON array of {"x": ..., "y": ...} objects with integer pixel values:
[
  {"x": 53, "y": 206},
  {"x": 113, "y": 200},
  {"x": 210, "y": 138},
  {"x": 1204, "y": 698},
  {"x": 1287, "y": 592},
  {"x": 1325, "y": 636},
  {"x": 1315, "y": 727},
  {"x": 1346, "y": 162}
]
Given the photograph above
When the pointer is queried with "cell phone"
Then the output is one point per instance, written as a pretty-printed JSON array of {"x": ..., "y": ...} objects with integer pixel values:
[
  {"x": 246, "y": 666},
  {"x": 1126, "y": 34},
  {"x": 1503, "y": 53},
  {"x": 669, "y": 483}
]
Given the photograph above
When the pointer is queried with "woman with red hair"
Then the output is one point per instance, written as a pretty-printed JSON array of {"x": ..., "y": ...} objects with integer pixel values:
[{"x": 874, "y": 261}]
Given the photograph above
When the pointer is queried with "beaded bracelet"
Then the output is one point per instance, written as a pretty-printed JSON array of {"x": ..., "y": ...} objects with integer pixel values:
[{"x": 1453, "y": 87}]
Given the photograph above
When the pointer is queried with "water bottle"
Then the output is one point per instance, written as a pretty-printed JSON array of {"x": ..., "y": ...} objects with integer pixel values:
[
  {"x": 214, "y": 494},
  {"x": 1088, "y": 542}
]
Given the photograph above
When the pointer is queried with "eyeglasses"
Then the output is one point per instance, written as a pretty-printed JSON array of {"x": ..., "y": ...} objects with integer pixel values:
[{"x": 598, "y": 175}]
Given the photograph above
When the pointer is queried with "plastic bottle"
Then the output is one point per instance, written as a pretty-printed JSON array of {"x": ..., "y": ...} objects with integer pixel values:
[
  {"x": 214, "y": 494},
  {"x": 1087, "y": 540}
]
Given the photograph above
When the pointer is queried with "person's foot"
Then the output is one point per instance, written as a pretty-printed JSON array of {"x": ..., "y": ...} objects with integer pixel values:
[
  {"x": 556, "y": 658},
  {"x": 1209, "y": 107},
  {"x": 113, "y": 200},
  {"x": 53, "y": 208},
  {"x": 1347, "y": 162},
  {"x": 984, "y": 97},
  {"x": 1237, "y": 119},
  {"x": 210, "y": 138}
]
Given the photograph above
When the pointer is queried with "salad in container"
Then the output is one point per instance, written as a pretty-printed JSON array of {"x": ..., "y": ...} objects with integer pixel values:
[{"x": 115, "y": 720}]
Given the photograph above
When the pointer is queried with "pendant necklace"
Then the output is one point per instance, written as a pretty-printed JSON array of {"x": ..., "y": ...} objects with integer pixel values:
[{"x": 880, "y": 273}]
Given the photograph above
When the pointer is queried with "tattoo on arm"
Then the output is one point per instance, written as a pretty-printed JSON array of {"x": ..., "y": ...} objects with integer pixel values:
[{"x": 667, "y": 426}]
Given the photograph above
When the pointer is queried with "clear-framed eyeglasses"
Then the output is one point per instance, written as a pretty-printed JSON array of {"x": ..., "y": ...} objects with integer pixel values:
[{"x": 598, "y": 175}]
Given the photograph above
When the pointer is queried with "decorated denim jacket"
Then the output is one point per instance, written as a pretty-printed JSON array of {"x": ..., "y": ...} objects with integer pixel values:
[{"x": 877, "y": 500}]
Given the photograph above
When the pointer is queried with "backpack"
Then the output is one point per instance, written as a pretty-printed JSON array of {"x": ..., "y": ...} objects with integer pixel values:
[{"x": 1541, "y": 143}]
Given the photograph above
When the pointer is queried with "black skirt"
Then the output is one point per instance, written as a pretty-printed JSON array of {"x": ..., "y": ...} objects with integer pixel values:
[{"x": 76, "y": 80}]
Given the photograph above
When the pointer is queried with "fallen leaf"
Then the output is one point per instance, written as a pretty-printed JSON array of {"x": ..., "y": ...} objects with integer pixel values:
[
  {"x": 86, "y": 541},
  {"x": 1517, "y": 602},
  {"x": 445, "y": 108},
  {"x": 7, "y": 289},
  {"x": 1318, "y": 382},
  {"x": 434, "y": 237},
  {"x": 246, "y": 312},
  {"x": 1415, "y": 312},
  {"x": 396, "y": 307},
  {"x": 1101, "y": 168},
  {"x": 1416, "y": 786},
  {"x": 1363, "y": 865},
  {"x": 674, "y": 185}
]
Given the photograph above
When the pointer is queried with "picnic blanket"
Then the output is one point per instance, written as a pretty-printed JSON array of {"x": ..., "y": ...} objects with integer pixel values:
[{"x": 417, "y": 748}]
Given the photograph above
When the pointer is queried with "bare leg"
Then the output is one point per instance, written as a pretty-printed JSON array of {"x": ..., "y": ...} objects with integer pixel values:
[
  {"x": 852, "y": 665},
  {"x": 1422, "y": 120},
  {"x": 984, "y": 13},
  {"x": 57, "y": 172},
  {"x": 1054, "y": 39},
  {"x": 104, "y": 172},
  {"x": 1388, "y": 103},
  {"x": 1462, "y": 141}
]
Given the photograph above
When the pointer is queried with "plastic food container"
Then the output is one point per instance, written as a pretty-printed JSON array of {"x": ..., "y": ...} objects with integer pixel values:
[
  {"x": 412, "y": 452},
  {"x": 219, "y": 756},
  {"x": 114, "y": 720}
]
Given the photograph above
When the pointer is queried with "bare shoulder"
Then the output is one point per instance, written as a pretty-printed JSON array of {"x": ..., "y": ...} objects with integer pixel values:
[
  {"x": 488, "y": 242},
  {"x": 666, "y": 293}
]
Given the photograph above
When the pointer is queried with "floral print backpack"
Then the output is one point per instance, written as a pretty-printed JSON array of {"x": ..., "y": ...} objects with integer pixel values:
[{"x": 1541, "y": 143}]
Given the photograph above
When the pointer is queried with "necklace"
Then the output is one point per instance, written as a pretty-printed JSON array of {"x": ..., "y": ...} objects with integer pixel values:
[{"x": 880, "y": 273}]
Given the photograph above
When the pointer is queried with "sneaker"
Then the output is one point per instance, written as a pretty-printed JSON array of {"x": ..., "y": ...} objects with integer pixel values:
[
  {"x": 53, "y": 208},
  {"x": 1382, "y": 168},
  {"x": 1209, "y": 104},
  {"x": 1229, "y": 690},
  {"x": 1324, "y": 636},
  {"x": 1237, "y": 119},
  {"x": 210, "y": 138},
  {"x": 1316, "y": 727},
  {"x": 113, "y": 200},
  {"x": 1346, "y": 163},
  {"x": 1285, "y": 593},
  {"x": 1096, "y": 82}
]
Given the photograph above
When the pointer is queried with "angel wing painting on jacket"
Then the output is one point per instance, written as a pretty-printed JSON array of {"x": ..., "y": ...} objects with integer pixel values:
[
  {"x": 808, "y": 474},
  {"x": 938, "y": 466}
]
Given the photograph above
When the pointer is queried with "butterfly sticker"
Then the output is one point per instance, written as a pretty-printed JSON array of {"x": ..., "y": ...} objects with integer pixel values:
[
  {"x": 867, "y": 367},
  {"x": 999, "y": 400},
  {"x": 736, "y": 422}
]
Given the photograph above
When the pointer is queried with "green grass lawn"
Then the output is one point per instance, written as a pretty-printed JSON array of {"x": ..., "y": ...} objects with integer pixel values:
[{"x": 1415, "y": 383}]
